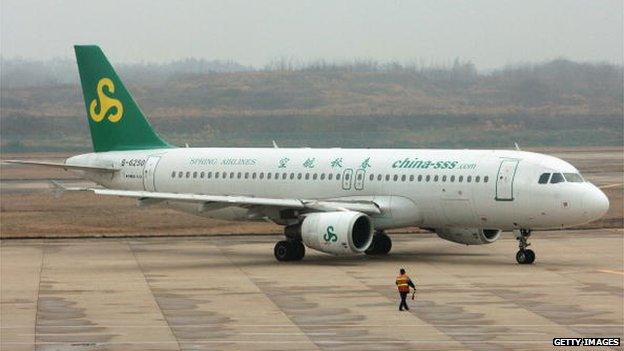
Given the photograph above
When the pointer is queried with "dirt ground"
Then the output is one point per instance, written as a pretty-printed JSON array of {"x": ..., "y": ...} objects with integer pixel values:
[{"x": 28, "y": 207}]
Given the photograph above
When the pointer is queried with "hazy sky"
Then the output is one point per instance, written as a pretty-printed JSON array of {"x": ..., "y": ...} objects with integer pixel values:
[{"x": 491, "y": 33}]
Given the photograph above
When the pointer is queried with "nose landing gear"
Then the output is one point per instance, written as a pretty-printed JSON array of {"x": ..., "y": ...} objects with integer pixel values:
[{"x": 524, "y": 255}]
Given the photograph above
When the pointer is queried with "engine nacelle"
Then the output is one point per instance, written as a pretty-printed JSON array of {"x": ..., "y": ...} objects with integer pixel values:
[
  {"x": 337, "y": 233},
  {"x": 469, "y": 236}
]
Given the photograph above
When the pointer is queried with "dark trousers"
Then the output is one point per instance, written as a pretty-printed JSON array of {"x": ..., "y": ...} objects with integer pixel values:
[{"x": 403, "y": 301}]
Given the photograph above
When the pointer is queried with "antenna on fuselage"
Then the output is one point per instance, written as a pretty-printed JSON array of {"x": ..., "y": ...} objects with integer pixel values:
[
  {"x": 275, "y": 144},
  {"x": 516, "y": 145}
]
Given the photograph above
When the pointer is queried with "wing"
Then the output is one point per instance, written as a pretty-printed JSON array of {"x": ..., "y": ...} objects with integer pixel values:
[
  {"x": 368, "y": 207},
  {"x": 64, "y": 166}
]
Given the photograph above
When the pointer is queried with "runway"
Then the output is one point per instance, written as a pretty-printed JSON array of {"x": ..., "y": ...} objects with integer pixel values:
[{"x": 228, "y": 293}]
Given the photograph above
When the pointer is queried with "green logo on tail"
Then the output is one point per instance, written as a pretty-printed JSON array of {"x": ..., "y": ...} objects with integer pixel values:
[{"x": 105, "y": 103}]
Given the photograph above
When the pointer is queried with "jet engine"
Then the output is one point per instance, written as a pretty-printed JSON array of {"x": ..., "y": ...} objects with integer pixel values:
[
  {"x": 469, "y": 236},
  {"x": 337, "y": 233}
]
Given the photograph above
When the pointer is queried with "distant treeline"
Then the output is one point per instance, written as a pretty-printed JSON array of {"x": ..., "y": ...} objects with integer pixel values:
[
  {"x": 360, "y": 103},
  {"x": 20, "y": 134}
]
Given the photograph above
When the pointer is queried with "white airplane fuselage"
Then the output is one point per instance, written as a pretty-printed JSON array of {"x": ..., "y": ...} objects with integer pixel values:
[{"x": 494, "y": 189}]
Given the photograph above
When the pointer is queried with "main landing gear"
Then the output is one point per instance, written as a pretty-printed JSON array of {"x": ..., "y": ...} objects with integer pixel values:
[
  {"x": 524, "y": 255},
  {"x": 289, "y": 250},
  {"x": 381, "y": 245}
]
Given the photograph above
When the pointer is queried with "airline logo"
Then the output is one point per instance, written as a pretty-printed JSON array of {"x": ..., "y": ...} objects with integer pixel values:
[
  {"x": 106, "y": 105},
  {"x": 330, "y": 235}
]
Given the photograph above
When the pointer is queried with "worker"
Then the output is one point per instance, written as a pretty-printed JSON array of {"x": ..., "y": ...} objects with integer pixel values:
[{"x": 404, "y": 283}]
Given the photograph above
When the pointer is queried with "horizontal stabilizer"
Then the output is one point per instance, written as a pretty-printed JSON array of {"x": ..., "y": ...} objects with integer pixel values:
[{"x": 64, "y": 166}]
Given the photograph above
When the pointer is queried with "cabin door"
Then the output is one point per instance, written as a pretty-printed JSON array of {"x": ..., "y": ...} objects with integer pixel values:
[
  {"x": 505, "y": 179},
  {"x": 149, "y": 171}
]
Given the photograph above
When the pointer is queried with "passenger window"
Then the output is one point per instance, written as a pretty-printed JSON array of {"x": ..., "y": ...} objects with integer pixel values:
[
  {"x": 485, "y": 179},
  {"x": 371, "y": 177},
  {"x": 173, "y": 174},
  {"x": 396, "y": 177},
  {"x": 330, "y": 176},
  {"x": 322, "y": 176},
  {"x": 403, "y": 178},
  {"x": 299, "y": 175},
  {"x": 411, "y": 178},
  {"x": 379, "y": 177},
  {"x": 261, "y": 176},
  {"x": 253, "y": 175},
  {"x": 420, "y": 177},
  {"x": 209, "y": 175},
  {"x": 469, "y": 179},
  {"x": 387, "y": 177},
  {"x": 216, "y": 175},
  {"x": 307, "y": 176},
  {"x": 557, "y": 178},
  {"x": 188, "y": 174},
  {"x": 239, "y": 175},
  {"x": 543, "y": 179},
  {"x": 428, "y": 178},
  {"x": 460, "y": 179},
  {"x": 452, "y": 179},
  {"x": 337, "y": 176},
  {"x": 246, "y": 175},
  {"x": 292, "y": 176},
  {"x": 202, "y": 175},
  {"x": 180, "y": 174},
  {"x": 284, "y": 175},
  {"x": 435, "y": 179},
  {"x": 477, "y": 179},
  {"x": 573, "y": 177},
  {"x": 232, "y": 175},
  {"x": 277, "y": 175},
  {"x": 194, "y": 174},
  {"x": 314, "y": 176},
  {"x": 269, "y": 175}
]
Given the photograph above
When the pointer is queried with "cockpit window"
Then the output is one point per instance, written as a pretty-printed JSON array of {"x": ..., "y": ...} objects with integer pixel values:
[
  {"x": 573, "y": 177},
  {"x": 556, "y": 178},
  {"x": 543, "y": 179}
]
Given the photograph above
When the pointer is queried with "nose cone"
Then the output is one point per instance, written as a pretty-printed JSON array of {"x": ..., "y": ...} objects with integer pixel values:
[{"x": 596, "y": 204}]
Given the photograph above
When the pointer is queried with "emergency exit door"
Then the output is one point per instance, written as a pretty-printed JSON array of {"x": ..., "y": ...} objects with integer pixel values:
[
  {"x": 149, "y": 171},
  {"x": 360, "y": 176},
  {"x": 505, "y": 179},
  {"x": 347, "y": 179}
]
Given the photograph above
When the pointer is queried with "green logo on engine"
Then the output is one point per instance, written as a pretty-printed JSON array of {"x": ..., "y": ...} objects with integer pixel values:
[{"x": 330, "y": 235}]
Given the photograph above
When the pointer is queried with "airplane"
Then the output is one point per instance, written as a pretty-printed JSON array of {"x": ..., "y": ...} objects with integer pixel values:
[{"x": 333, "y": 200}]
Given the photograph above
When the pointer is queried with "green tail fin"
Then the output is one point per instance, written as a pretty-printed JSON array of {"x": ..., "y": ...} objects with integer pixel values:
[{"x": 115, "y": 120}]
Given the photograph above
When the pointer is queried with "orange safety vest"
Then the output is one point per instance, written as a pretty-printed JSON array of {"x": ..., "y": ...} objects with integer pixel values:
[{"x": 401, "y": 282}]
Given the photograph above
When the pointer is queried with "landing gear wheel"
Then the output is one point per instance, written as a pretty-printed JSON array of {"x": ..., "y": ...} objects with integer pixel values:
[
  {"x": 289, "y": 250},
  {"x": 530, "y": 256},
  {"x": 524, "y": 255},
  {"x": 381, "y": 245},
  {"x": 299, "y": 250}
]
